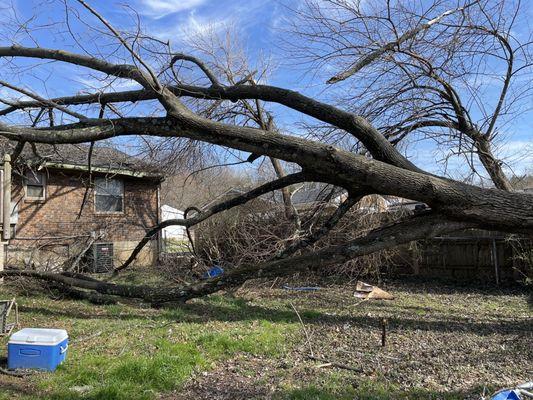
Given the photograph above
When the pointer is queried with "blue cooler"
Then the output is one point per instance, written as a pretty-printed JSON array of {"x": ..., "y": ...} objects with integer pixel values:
[{"x": 34, "y": 348}]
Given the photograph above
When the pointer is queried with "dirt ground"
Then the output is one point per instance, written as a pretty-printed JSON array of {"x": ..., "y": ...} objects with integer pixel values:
[{"x": 442, "y": 342}]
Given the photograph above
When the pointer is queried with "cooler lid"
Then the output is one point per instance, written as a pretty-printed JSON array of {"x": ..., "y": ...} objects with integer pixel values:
[{"x": 38, "y": 336}]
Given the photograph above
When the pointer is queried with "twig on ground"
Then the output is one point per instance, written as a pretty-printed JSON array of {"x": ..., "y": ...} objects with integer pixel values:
[
  {"x": 273, "y": 283},
  {"x": 13, "y": 373},
  {"x": 304, "y": 329},
  {"x": 334, "y": 364},
  {"x": 122, "y": 351},
  {"x": 370, "y": 355},
  {"x": 16, "y": 374},
  {"x": 359, "y": 303}
]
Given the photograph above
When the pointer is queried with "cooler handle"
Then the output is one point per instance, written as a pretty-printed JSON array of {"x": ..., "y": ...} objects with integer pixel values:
[
  {"x": 63, "y": 349},
  {"x": 30, "y": 352}
]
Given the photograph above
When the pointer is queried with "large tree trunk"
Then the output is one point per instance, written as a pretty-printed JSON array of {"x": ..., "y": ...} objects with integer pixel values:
[
  {"x": 492, "y": 165},
  {"x": 393, "y": 235},
  {"x": 454, "y": 205}
]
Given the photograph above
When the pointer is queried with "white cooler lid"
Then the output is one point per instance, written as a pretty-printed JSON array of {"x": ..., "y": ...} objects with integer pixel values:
[{"x": 39, "y": 336}]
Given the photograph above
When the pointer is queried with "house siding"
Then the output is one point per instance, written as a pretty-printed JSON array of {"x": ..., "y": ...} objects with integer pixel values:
[{"x": 49, "y": 230}]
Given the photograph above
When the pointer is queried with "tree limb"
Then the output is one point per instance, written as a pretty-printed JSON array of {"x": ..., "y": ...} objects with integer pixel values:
[
  {"x": 180, "y": 56},
  {"x": 368, "y": 59},
  {"x": 118, "y": 70},
  {"x": 495, "y": 208},
  {"x": 215, "y": 209},
  {"x": 43, "y": 101},
  {"x": 384, "y": 237},
  {"x": 372, "y": 139}
]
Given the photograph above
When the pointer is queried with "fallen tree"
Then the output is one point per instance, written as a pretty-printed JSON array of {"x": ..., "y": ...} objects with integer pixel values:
[
  {"x": 454, "y": 205},
  {"x": 411, "y": 229}
]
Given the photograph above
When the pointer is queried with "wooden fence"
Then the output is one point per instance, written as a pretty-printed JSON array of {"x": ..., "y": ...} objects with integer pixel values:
[{"x": 473, "y": 256}]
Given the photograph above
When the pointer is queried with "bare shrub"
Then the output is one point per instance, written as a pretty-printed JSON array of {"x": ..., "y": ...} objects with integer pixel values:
[
  {"x": 246, "y": 235},
  {"x": 522, "y": 257},
  {"x": 252, "y": 235},
  {"x": 180, "y": 267}
]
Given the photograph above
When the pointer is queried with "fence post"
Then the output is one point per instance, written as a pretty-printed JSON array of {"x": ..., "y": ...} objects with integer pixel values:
[
  {"x": 495, "y": 260},
  {"x": 2, "y": 258}
]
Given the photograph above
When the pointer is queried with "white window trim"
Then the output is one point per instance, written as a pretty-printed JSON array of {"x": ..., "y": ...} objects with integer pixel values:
[{"x": 31, "y": 198}]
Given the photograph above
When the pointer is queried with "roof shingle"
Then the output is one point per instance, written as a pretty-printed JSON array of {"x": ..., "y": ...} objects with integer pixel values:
[{"x": 77, "y": 155}]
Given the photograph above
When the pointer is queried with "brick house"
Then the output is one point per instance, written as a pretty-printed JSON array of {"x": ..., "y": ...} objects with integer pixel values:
[{"x": 61, "y": 208}]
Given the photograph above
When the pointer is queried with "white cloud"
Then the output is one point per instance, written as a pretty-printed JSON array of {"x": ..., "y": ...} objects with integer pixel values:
[
  {"x": 215, "y": 16},
  {"x": 93, "y": 84},
  {"x": 190, "y": 26},
  {"x": 160, "y": 8}
]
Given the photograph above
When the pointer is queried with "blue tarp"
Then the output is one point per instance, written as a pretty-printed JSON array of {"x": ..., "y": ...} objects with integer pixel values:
[
  {"x": 214, "y": 272},
  {"x": 506, "y": 395},
  {"x": 303, "y": 288}
]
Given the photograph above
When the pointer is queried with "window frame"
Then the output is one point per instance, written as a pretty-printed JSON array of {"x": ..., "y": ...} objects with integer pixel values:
[
  {"x": 27, "y": 197},
  {"x": 123, "y": 196}
]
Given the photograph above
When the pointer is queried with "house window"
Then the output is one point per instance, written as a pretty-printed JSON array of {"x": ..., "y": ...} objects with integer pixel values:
[
  {"x": 109, "y": 195},
  {"x": 35, "y": 183}
]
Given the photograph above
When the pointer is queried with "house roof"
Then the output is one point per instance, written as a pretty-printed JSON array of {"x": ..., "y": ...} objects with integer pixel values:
[
  {"x": 304, "y": 197},
  {"x": 75, "y": 157},
  {"x": 317, "y": 194}
]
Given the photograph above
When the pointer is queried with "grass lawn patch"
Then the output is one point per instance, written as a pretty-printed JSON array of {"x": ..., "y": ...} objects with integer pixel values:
[{"x": 443, "y": 343}]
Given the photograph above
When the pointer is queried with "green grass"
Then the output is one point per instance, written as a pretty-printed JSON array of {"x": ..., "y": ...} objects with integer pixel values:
[
  {"x": 131, "y": 351},
  {"x": 129, "y": 376},
  {"x": 139, "y": 353}
]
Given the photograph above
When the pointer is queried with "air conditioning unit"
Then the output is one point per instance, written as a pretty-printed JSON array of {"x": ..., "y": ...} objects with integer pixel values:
[{"x": 101, "y": 259}]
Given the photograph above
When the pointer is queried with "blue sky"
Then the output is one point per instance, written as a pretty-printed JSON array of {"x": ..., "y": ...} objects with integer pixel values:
[{"x": 260, "y": 23}]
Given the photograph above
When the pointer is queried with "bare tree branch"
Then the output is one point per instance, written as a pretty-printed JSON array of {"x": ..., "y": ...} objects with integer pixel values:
[
  {"x": 43, "y": 101},
  {"x": 155, "y": 82},
  {"x": 381, "y": 238},
  {"x": 312, "y": 238},
  {"x": 374, "y": 141},
  {"x": 360, "y": 64},
  {"x": 210, "y": 75},
  {"x": 118, "y": 70},
  {"x": 215, "y": 209}
]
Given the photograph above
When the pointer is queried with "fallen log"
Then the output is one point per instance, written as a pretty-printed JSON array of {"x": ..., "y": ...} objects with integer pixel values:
[{"x": 414, "y": 228}]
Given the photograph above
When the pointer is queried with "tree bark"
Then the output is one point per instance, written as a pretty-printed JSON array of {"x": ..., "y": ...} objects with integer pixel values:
[
  {"x": 454, "y": 205},
  {"x": 492, "y": 165},
  {"x": 385, "y": 237}
]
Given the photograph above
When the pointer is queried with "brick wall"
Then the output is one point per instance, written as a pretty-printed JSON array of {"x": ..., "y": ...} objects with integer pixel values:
[{"x": 47, "y": 225}]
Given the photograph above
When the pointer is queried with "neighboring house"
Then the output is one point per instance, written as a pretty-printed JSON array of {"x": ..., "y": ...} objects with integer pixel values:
[
  {"x": 175, "y": 232},
  {"x": 59, "y": 208},
  {"x": 314, "y": 194},
  {"x": 393, "y": 203},
  {"x": 174, "y": 238},
  {"x": 317, "y": 193}
]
